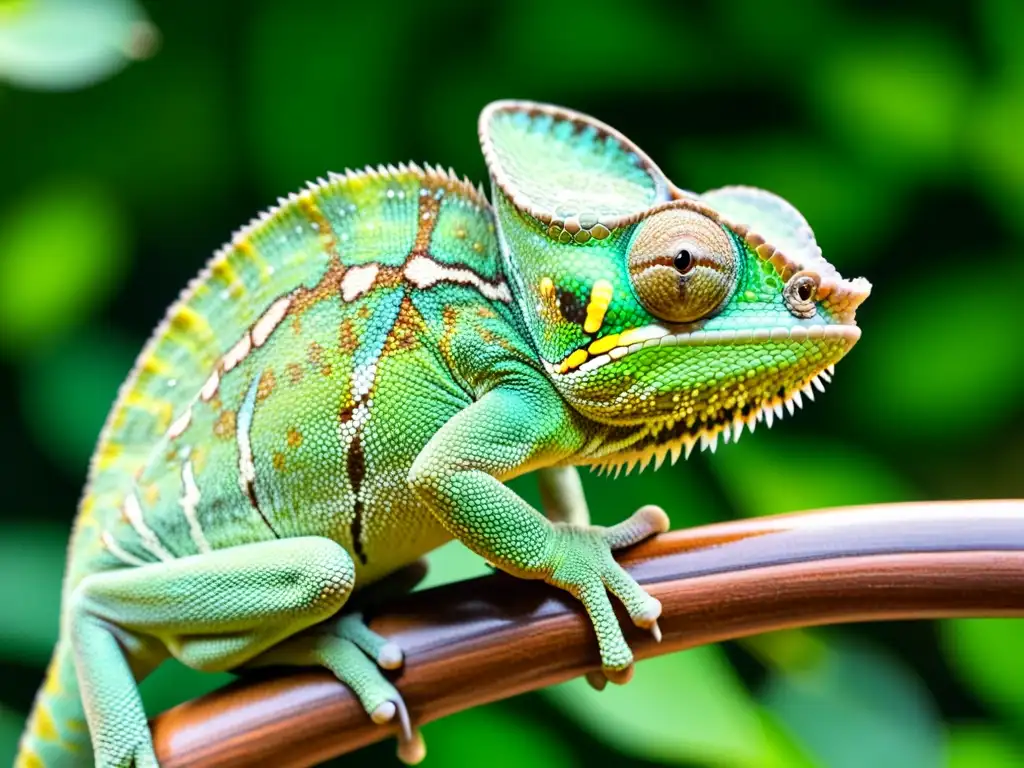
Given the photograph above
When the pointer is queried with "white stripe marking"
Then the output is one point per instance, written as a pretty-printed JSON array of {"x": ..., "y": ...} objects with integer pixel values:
[
  {"x": 115, "y": 549},
  {"x": 180, "y": 425},
  {"x": 133, "y": 512},
  {"x": 210, "y": 387},
  {"x": 270, "y": 320},
  {"x": 358, "y": 280},
  {"x": 246, "y": 467},
  {"x": 424, "y": 273},
  {"x": 189, "y": 503},
  {"x": 237, "y": 353}
]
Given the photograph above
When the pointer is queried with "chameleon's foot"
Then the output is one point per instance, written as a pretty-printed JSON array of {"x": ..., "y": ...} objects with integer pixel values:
[
  {"x": 355, "y": 654},
  {"x": 352, "y": 627},
  {"x": 386, "y": 653},
  {"x": 583, "y": 565}
]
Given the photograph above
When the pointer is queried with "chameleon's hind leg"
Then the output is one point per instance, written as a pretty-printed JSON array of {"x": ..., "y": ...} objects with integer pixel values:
[{"x": 213, "y": 612}]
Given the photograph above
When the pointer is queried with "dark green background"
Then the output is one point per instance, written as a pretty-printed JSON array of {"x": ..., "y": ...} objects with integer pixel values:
[{"x": 896, "y": 130}]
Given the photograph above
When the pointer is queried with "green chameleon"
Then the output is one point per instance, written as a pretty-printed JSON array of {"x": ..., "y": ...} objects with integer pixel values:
[{"x": 350, "y": 380}]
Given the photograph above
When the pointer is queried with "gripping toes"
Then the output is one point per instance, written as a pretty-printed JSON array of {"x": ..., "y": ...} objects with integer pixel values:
[{"x": 583, "y": 565}]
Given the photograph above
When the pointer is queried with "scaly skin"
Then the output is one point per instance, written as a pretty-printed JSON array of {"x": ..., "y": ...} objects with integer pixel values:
[{"x": 350, "y": 381}]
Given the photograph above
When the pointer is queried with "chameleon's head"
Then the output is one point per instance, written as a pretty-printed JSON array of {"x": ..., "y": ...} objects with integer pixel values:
[{"x": 692, "y": 314}]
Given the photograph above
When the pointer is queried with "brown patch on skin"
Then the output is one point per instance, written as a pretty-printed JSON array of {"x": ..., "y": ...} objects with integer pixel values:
[
  {"x": 364, "y": 311},
  {"x": 279, "y": 462},
  {"x": 294, "y": 438},
  {"x": 294, "y": 371},
  {"x": 405, "y": 333},
  {"x": 330, "y": 283},
  {"x": 486, "y": 313},
  {"x": 296, "y": 325},
  {"x": 349, "y": 341},
  {"x": 224, "y": 427},
  {"x": 327, "y": 370},
  {"x": 267, "y": 383},
  {"x": 356, "y": 466},
  {"x": 315, "y": 353},
  {"x": 328, "y": 287}
]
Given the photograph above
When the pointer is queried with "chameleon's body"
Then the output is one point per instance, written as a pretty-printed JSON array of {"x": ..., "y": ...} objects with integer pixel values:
[{"x": 346, "y": 385}]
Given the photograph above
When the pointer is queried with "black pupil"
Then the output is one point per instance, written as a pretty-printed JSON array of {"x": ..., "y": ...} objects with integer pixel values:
[
  {"x": 804, "y": 291},
  {"x": 683, "y": 261}
]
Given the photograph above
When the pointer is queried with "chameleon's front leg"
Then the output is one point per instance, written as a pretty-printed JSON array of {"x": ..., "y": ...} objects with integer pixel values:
[
  {"x": 218, "y": 611},
  {"x": 457, "y": 474}
]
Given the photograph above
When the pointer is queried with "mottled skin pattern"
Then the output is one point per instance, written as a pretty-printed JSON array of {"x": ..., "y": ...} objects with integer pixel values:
[{"x": 349, "y": 382}]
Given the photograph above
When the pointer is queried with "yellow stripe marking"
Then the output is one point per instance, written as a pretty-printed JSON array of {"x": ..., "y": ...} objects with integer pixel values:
[
  {"x": 600, "y": 298},
  {"x": 604, "y": 344},
  {"x": 575, "y": 360},
  {"x": 547, "y": 288}
]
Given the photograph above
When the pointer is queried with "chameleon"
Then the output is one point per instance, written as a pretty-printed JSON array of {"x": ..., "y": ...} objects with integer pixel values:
[{"x": 350, "y": 382}]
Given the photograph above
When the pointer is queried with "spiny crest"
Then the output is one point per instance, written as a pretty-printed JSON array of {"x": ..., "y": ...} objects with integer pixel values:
[{"x": 707, "y": 437}]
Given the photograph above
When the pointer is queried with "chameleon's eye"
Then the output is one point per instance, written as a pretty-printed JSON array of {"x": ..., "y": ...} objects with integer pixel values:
[
  {"x": 682, "y": 265},
  {"x": 800, "y": 293}
]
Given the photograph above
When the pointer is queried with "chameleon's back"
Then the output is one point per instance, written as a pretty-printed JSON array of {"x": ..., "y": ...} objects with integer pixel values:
[{"x": 352, "y": 288}]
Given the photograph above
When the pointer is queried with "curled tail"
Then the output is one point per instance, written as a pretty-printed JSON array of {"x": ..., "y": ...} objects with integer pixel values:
[{"x": 56, "y": 734}]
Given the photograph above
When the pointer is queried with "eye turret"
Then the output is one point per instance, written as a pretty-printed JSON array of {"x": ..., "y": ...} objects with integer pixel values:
[{"x": 682, "y": 265}]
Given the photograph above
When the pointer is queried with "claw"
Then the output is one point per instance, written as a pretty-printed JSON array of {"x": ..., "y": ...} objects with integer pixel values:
[
  {"x": 390, "y": 656},
  {"x": 383, "y": 713},
  {"x": 597, "y": 680},
  {"x": 619, "y": 676},
  {"x": 656, "y": 631}
]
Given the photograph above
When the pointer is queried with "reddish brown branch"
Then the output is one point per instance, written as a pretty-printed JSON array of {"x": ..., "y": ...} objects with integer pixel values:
[{"x": 491, "y": 638}]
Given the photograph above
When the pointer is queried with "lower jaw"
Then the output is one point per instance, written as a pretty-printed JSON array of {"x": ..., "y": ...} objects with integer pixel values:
[{"x": 665, "y": 440}]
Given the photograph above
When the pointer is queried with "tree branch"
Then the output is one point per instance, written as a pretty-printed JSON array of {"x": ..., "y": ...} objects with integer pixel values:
[{"x": 490, "y": 638}]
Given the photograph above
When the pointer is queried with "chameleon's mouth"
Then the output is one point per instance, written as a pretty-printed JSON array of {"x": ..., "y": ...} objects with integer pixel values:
[{"x": 615, "y": 346}]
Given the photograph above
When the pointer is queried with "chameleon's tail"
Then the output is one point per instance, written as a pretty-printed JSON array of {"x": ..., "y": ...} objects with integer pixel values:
[{"x": 56, "y": 735}]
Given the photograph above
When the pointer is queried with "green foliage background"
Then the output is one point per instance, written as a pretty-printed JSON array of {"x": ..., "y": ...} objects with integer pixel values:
[{"x": 130, "y": 149}]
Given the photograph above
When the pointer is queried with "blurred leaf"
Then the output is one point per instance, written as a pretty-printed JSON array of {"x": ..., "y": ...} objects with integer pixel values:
[
  {"x": 858, "y": 707},
  {"x": 760, "y": 478},
  {"x": 947, "y": 357},
  {"x": 31, "y": 574},
  {"x": 572, "y": 63},
  {"x": 899, "y": 97},
  {"x": 67, "y": 44},
  {"x": 684, "y": 708},
  {"x": 494, "y": 736},
  {"x": 315, "y": 85},
  {"x": 68, "y": 391},
  {"x": 11, "y": 724},
  {"x": 1000, "y": 22},
  {"x": 678, "y": 489},
  {"x": 986, "y": 654},
  {"x": 173, "y": 682},
  {"x": 62, "y": 252},
  {"x": 995, "y": 149},
  {"x": 981, "y": 747}
]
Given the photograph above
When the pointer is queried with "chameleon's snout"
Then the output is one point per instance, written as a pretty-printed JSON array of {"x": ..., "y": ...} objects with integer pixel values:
[{"x": 842, "y": 298}]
